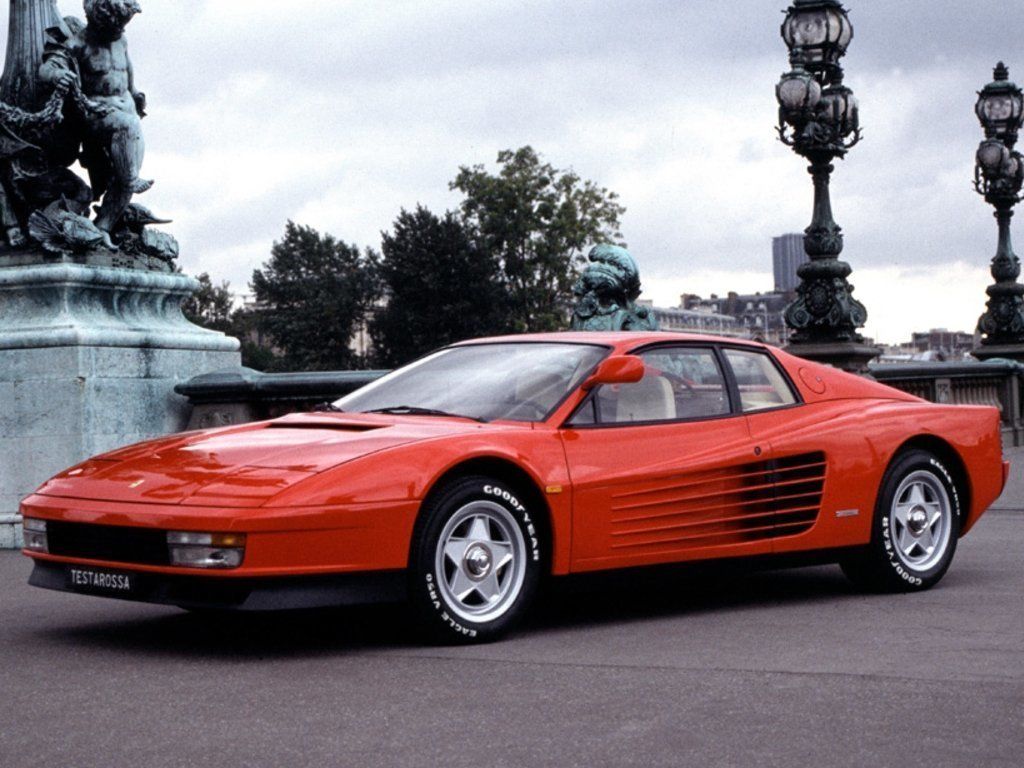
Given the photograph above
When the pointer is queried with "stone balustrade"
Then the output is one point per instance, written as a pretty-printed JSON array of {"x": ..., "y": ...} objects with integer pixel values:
[{"x": 241, "y": 395}]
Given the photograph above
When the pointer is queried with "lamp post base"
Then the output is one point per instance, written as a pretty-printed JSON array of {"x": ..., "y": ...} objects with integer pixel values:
[{"x": 845, "y": 355}]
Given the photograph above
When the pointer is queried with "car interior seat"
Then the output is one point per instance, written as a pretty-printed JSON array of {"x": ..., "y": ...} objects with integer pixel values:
[{"x": 650, "y": 399}]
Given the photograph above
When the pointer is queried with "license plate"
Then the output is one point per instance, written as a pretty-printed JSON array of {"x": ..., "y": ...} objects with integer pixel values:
[{"x": 94, "y": 580}]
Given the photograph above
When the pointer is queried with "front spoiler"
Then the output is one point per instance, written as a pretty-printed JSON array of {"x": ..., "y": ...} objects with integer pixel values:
[{"x": 282, "y": 593}]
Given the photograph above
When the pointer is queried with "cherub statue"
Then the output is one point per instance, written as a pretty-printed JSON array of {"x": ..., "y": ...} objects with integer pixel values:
[
  {"x": 91, "y": 60},
  {"x": 606, "y": 294}
]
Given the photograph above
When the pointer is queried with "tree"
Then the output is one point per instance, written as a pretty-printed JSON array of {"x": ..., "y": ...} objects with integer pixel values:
[
  {"x": 256, "y": 352},
  {"x": 311, "y": 295},
  {"x": 211, "y": 305},
  {"x": 538, "y": 222},
  {"x": 440, "y": 287}
]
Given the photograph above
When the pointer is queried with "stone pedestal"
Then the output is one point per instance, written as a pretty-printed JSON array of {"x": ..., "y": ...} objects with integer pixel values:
[{"x": 89, "y": 358}]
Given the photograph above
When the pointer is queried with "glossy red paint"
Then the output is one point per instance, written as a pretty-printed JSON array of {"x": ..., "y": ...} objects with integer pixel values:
[{"x": 340, "y": 493}]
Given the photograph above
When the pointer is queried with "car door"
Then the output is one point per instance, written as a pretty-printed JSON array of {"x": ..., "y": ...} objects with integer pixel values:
[
  {"x": 665, "y": 469},
  {"x": 802, "y": 445}
]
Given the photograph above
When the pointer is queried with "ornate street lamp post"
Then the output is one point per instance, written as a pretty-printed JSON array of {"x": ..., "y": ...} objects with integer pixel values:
[
  {"x": 818, "y": 118},
  {"x": 999, "y": 175}
]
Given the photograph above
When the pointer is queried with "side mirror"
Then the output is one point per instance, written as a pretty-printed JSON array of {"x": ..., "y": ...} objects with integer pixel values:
[{"x": 622, "y": 369}]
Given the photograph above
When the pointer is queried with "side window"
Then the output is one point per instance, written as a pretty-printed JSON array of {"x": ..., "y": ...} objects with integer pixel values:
[
  {"x": 760, "y": 382},
  {"x": 680, "y": 383}
]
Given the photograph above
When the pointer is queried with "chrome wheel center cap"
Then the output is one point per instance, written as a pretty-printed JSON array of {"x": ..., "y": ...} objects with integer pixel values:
[
  {"x": 477, "y": 562},
  {"x": 917, "y": 520}
]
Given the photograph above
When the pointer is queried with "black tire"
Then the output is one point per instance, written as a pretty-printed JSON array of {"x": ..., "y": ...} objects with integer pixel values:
[
  {"x": 451, "y": 554},
  {"x": 898, "y": 559}
]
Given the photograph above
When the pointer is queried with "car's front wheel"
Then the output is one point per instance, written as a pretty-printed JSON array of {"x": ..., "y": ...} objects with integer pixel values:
[
  {"x": 476, "y": 560},
  {"x": 915, "y": 529}
]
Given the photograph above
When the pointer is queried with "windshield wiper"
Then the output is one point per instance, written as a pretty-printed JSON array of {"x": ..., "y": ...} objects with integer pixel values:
[{"x": 412, "y": 410}]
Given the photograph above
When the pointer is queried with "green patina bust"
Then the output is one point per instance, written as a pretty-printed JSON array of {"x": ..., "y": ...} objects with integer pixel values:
[{"x": 606, "y": 294}]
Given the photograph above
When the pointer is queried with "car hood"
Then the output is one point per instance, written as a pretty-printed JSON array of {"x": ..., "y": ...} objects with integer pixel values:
[{"x": 242, "y": 466}]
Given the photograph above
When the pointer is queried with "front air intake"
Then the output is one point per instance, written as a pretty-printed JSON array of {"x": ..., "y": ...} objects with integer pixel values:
[{"x": 109, "y": 543}]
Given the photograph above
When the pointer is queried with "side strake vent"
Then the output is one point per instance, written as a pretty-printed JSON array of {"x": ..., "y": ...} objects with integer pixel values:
[{"x": 735, "y": 505}]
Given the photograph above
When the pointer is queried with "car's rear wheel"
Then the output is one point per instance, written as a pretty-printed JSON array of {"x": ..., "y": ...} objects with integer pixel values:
[
  {"x": 915, "y": 529},
  {"x": 476, "y": 560}
]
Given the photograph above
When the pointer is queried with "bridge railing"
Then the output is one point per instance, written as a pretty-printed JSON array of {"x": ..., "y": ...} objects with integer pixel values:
[{"x": 242, "y": 395}]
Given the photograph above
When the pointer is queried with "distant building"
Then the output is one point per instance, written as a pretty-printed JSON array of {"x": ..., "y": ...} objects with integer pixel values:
[
  {"x": 787, "y": 256},
  {"x": 759, "y": 315},
  {"x": 946, "y": 345},
  {"x": 936, "y": 345},
  {"x": 695, "y": 321}
]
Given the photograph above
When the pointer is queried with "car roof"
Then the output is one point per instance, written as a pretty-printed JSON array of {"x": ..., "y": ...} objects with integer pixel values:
[{"x": 617, "y": 339}]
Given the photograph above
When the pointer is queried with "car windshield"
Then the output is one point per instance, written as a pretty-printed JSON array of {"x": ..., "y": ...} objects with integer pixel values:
[{"x": 517, "y": 381}]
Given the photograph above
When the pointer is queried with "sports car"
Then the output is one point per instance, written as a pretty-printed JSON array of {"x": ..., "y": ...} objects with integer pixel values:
[{"x": 460, "y": 482}]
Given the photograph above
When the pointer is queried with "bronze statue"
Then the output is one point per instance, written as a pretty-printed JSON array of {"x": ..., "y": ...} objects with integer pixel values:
[
  {"x": 68, "y": 95},
  {"x": 92, "y": 61},
  {"x": 19, "y": 158},
  {"x": 606, "y": 294}
]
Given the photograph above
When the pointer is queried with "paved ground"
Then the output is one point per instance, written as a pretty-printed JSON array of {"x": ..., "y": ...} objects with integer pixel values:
[{"x": 709, "y": 669}]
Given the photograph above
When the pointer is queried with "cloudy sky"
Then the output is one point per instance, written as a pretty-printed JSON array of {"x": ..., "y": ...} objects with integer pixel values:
[{"x": 337, "y": 113}]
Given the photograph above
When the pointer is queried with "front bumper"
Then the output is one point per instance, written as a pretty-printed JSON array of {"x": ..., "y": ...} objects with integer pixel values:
[
  {"x": 281, "y": 542},
  {"x": 239, "y": 594}
]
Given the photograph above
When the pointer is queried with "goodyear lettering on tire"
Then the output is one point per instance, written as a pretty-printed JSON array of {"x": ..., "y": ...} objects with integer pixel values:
[{"x": 511, "y": 500}]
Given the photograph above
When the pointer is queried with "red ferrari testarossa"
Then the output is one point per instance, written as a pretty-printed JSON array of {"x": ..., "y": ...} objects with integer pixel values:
[{"x": 458, "y": 481}]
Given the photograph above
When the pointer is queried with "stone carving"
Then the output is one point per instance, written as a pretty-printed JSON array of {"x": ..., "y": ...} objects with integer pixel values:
[
  {"x": 606, "y": 294},
  {"x": 91, "y": 113}
]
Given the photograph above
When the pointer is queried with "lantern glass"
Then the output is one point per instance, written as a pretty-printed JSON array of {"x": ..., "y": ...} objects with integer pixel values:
[
  {"x": 845, "y": 29},
  {"x": 852, "y": 112},
  {"x": 992, "y": 155},
  {"x": 837, "y": 104},
  {"x": 808, "y": 29},
  {"x": 799, "y": 91},
  {"x": 823, "y": 32},
  {"x": 998, "y": 108}
]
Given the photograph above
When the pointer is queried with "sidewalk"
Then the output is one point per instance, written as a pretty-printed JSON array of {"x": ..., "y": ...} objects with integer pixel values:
[{"x": 1013, "y": 496}]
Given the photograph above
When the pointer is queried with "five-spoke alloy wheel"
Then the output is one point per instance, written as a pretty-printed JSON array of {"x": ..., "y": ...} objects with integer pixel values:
[
  {"x": 476, "y": 560},
  {"x": 915, "y": 529},
  {"x": 921, "y": 521},
  {"x": 481, "y": 561}
]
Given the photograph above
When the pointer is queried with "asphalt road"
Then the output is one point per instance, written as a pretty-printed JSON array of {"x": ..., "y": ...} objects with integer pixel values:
[{"x": 686, "y": 669}]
